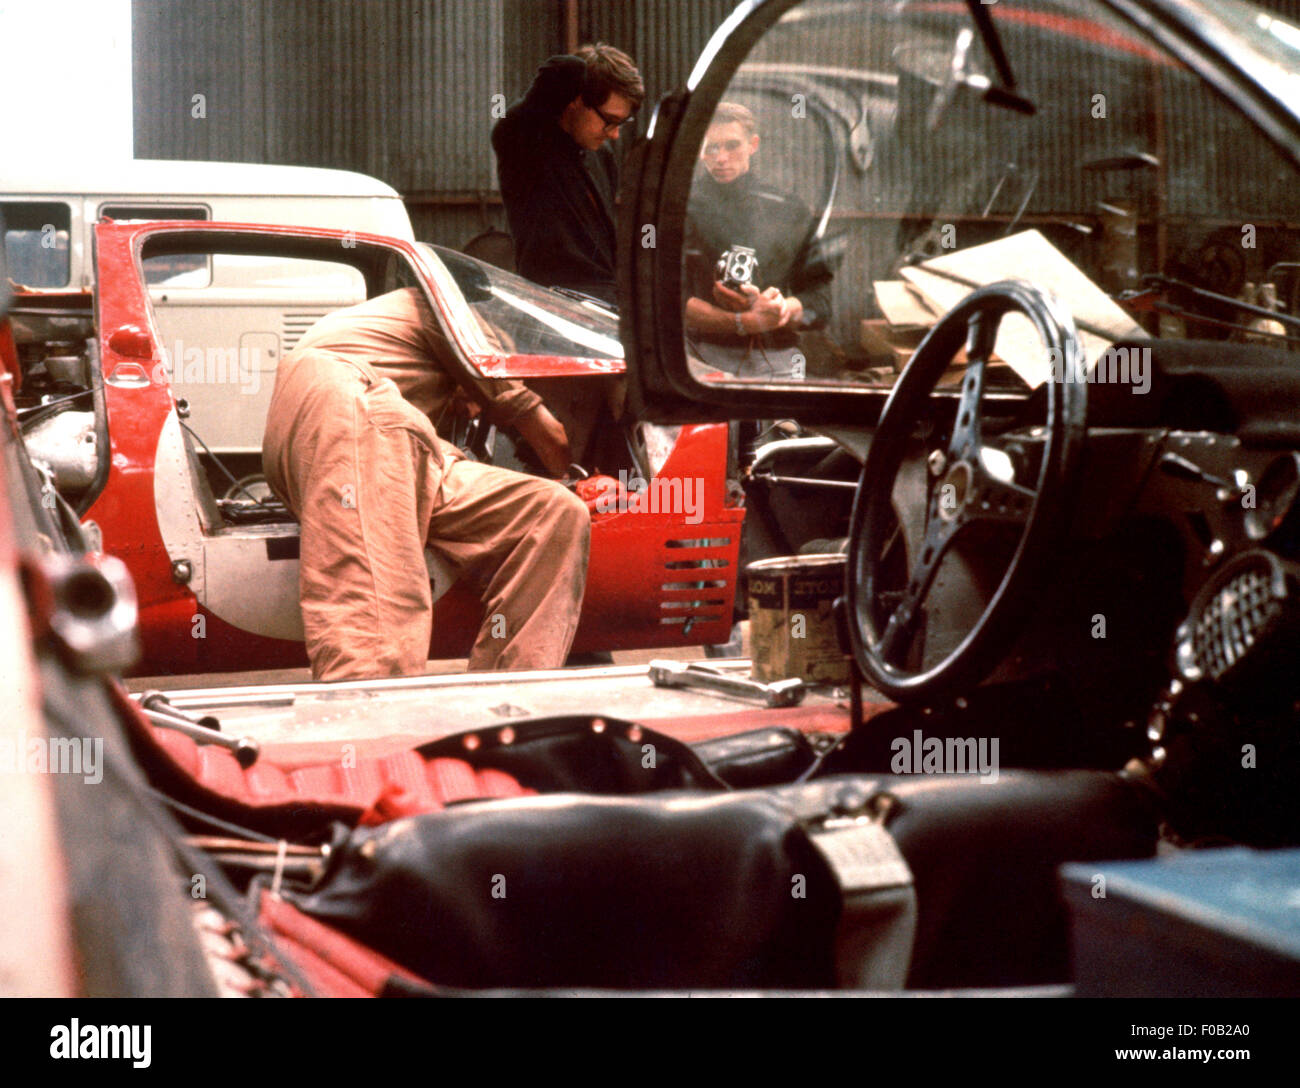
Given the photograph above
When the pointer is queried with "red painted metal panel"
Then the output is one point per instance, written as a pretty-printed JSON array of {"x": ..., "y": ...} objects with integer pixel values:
[{"x": 9, "y": 354}]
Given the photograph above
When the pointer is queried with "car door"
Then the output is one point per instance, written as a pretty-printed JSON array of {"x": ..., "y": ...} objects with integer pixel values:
[{"x": 836, "y": 177}]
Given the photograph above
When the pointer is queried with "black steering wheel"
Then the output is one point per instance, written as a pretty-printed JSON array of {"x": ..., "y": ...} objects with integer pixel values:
[{"x": 962, "y": 491}]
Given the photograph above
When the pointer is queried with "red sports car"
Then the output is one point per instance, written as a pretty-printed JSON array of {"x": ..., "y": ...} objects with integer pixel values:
[{"x": 182, "y": 306}]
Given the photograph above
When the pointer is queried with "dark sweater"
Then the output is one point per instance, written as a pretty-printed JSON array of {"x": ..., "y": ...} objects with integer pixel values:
[
  {"x": 559, "y": 198},
  {"x": 778, "y": 226}
]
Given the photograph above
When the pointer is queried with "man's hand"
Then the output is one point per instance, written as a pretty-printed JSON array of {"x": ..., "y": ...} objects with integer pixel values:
[
  {"x": 557, "y": 83},
  {"x": 770, "y": 310},
  {"x": 746, "y": 311},
  {"x": 548, "y": 438},
  {"x": 730, "y": 298}
]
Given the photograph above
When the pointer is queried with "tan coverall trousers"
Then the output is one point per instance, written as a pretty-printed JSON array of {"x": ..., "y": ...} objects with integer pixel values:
[{"x": 371, "y": 484}]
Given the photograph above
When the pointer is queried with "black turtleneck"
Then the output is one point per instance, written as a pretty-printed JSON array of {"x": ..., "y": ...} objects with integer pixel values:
[
  {"x": 559, "y": 198},
  {"x": 777, "y": 226}
]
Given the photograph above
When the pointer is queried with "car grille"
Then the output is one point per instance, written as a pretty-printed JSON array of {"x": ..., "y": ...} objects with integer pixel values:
[
  {"x": 1249, "y": 604},
  {"x": 688, "y": 596}
]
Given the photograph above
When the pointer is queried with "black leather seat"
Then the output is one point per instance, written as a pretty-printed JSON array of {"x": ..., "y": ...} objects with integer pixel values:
[
  {"x": 691, "y": 890},
  {"x": 984, "y": 857}
]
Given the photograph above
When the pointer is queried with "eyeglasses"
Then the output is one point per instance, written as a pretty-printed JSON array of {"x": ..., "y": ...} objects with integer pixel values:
[
  {"x": 612, "y": 124},
  {"x": 719, "y": 146}
]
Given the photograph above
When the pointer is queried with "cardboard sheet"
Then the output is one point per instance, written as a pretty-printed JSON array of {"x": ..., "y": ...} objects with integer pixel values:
[
  {"x": 904, "y": 306},
  {"x": 1027, "y": 255}
]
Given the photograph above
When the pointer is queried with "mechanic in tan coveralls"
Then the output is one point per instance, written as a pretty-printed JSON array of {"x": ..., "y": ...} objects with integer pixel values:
[{"x": 351, "y": 449}]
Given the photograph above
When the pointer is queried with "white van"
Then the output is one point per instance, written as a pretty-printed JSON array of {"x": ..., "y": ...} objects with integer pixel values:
[{"x": 247, "y": 308}]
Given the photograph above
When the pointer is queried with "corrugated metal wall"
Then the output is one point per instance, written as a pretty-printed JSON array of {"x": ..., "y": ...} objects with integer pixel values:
[
  {"x": 401, "y": 89},
  {"x": 404, "y": 90},
  {"x": 197, "y": 79},
  {"x": 665, "y": 36}
]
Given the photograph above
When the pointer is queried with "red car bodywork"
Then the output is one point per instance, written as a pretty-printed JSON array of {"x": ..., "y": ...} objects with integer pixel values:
[{"x": 640, "y": 593}]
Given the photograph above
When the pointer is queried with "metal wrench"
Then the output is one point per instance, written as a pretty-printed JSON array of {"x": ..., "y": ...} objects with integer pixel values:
[
  {"x": 680, "y": 674},
  {"x": 156, "y": 708}
]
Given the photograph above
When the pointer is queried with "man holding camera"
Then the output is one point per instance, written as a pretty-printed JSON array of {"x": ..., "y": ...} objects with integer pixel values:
[
  {"x": 558, "y": 178},
  {"x": 755, "y": 276}
]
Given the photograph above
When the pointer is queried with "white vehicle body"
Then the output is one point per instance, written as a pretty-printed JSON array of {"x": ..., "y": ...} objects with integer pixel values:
[{"x": 226, "y": 321}]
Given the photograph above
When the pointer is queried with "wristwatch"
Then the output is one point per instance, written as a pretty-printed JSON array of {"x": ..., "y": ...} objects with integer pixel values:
[{"x": 740, "y": 326}]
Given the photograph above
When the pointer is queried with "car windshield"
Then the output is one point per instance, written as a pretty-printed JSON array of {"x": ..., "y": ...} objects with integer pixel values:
[
  {"x": 517, "y": 317},
  {"x": 867, "y": 166},
  {"x": 1264, "y": 44}
]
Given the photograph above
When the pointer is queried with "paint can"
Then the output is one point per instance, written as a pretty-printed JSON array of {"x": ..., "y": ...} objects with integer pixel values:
[{"x": 792, "y": 618}]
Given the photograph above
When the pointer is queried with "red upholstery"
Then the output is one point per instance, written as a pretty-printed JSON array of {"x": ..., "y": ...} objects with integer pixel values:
[
  {"x": 432, "y": 784},
  {"x": 353, "y": 788},
  {"x": 332, "y": 963}
]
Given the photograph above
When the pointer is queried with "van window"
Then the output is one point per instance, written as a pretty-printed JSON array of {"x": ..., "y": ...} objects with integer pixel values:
[
  {"x": 223, "y": 344},
  {"x": 36, "y": 242},
  {"x": 162, "y": 269}
]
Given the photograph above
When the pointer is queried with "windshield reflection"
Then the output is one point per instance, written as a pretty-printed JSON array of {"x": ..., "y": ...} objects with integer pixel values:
[{"x": 869, "y": 164}]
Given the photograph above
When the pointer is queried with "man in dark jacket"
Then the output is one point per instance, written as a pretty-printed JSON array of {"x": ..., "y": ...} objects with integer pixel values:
[
  {"x": 558, "y": 178},
  {"x": 759, "y": 327}
]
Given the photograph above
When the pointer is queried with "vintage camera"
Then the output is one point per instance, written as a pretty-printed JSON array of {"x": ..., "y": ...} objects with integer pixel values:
[{"x": 737, "y": 266}]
